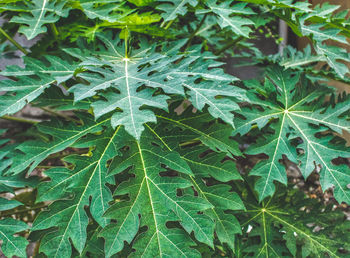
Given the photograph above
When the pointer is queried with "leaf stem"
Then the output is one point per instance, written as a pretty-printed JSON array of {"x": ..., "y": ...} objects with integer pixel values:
[
  {"x": 14, "y": 42},
  {"x": 45, "y": 167},
  {"x": 60, "y": 115},
  {"x": 195, "y": 32},
  {"x": 20, "y": 120},
  {"x": 168, "y": 25},
  {"x": 62, "y": 155},
  {"x": 126, "y": 37},
  {"x": 12, "y": 211},
  {"x": 229, "y": 45},
  {"x": 54, "y": 30}
]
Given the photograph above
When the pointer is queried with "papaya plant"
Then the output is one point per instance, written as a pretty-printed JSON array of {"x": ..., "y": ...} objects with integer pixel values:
[{"x": 145, "y": 136}]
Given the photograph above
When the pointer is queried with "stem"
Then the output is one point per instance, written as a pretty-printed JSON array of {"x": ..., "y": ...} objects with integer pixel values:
[
  {"x": 14, "y": 42},
  {"x": 126, "y": 36},
  {"x": 20, "y": 120},
  {"x": 195, "y": 32},
  {"x": 12, "y": 212},
  {"x": 61, "y": 155},
  {"x": 54, "y": 30},
  {"x": 229, "y": 45},
  {"x": 46, "y": 167},
  {"x": 169, "y": 24},
  {"x": 64, "y": 85},
  {"x": 60, "y": 115}
]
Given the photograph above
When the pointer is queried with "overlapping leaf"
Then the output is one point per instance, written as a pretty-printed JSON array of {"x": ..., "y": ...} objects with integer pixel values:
[
  {"x": 205, "y": 165},
  {"x": 60, "y": 69},
  {"x": 31, "y": 153},
  {"x": 153, "y": 201},
  {"x": 21, "y": 92},
  {"x": 33, "y": 80},
  {"x": 283, "y": 228},
  {"x": 76, "y": 186},
  {"x": 198, "y": 126}
]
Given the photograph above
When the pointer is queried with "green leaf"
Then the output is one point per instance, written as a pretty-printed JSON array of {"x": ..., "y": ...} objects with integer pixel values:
[
  {"x": 294, "y": 119},
  {"x": 6, "y": 204},
  {"x": 153, "y": 197},
  {"x": 21, "y": 92},
  {"x": 105, "y": 10},
  {"x": 87, "y": 179},
  {"x": 13, "y": 245},
  {"x": 321, "y": 35},
  {"x": 32, "y": 153},
  {"x": 41, "y": 12},
  {"x": 171, "y": 9},
  {"x": 333, "y": 55},
  {"x": 283, "y": 227},
  {"x": 57, "y": 100},
  {"x": 132, "y": 80},
  {"x": 294, "y": 59},
  {"x": 228, "y": 18},
  {"x": 199, "y": 126},
  {"x": 59, "y": 69},
  {"x": 204, "y": 165}
]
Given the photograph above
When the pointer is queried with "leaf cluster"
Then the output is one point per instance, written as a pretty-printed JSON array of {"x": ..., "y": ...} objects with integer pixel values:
[{"x": 146, "y": 145}]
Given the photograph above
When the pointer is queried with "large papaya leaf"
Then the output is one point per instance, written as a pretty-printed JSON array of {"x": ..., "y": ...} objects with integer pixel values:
[
  {"x": 133, "y": 80},
  {"x": 153, "y": 201},
  {"x": 291, "y": 117}
]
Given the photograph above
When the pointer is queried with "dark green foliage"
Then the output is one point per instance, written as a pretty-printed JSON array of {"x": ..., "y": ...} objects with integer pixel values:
[{"x": 148, "y": 147}]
